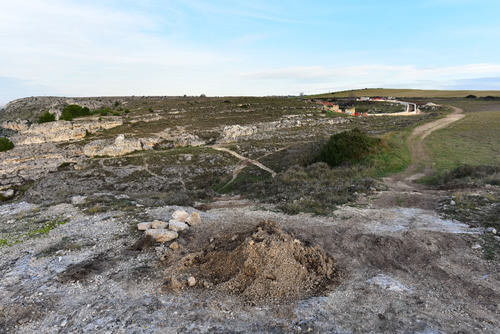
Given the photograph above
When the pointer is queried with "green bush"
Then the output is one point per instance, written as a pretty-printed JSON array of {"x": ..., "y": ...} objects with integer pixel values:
[
  {"x": 5, "y": 144},
  {"x": 102, "y": 112},
  {"x": 73, "y": 110},
  {"x": 116, "y": 113},
  {"x": 348, "y": 147},
  {"x": 66, "y": 115},
  {"x": 47, "y": 117}
]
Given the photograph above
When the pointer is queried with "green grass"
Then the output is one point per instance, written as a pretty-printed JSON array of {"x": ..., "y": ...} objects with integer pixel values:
[
  {"x": 409, "y": 93},
  {"x": 393, "y": 157},
  {"x": 20, "y": 236},
  {"x": 46, "y": 228},
  {"x": 473, "y": 140}
]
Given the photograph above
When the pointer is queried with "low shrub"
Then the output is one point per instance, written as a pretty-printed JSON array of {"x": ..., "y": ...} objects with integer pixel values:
[
  {"x": 348, "y": 147},
  {"x": 73, "y": 110},
  {"x": 47, "y": 117},
  {"x": 316, "y": 188},
  {"x": 465, "y": 175},
  {"x": 5, "y": 144}
]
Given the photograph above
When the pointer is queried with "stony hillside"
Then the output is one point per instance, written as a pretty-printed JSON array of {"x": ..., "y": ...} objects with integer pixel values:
[{"x": 245, "y": 230}]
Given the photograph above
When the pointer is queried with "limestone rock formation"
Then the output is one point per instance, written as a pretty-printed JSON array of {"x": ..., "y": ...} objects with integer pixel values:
[{"x": 119, "y": 147}]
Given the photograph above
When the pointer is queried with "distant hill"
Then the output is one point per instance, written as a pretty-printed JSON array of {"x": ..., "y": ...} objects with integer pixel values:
[{"x": 411, "y": 93}]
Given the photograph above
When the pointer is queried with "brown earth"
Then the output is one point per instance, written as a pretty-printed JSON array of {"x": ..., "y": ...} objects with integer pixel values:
[{"x": 265, "y": 265}]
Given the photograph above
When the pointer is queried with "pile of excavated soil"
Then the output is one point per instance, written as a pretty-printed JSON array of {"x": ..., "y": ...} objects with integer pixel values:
[{"x": 265, "y": 265}]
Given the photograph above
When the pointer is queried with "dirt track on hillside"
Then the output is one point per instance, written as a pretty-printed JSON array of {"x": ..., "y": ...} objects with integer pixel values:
[{"x": 421, "y": 164}]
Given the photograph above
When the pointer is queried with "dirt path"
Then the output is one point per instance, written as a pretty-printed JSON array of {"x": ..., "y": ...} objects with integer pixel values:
[
  {"x": 421, "y": 164},
  {"x": 244, "y": 162}
]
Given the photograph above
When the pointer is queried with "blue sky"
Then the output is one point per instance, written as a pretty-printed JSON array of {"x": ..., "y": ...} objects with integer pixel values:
[{"x": 149, "y": 47}]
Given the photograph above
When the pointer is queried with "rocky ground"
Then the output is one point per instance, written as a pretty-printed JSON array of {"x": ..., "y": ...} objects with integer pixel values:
[
  {"x": 73, "y": 261},
  {"x": 404, "y": 270}
]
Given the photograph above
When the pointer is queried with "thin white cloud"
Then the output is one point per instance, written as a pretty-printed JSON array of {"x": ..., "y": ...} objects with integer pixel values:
[{"x": 375, "y": 71}]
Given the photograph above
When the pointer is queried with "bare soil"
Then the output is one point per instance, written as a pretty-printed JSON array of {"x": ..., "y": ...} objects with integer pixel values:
[{"x": 265, "y": 265}]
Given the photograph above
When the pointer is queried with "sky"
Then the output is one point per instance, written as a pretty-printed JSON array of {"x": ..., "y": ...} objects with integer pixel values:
[{"x": 228, "y": 48}]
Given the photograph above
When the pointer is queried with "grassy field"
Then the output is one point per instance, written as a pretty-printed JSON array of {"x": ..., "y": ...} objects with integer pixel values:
[
  {"x": 474, "y": 140},
  {"x": 410, "y": 93}
]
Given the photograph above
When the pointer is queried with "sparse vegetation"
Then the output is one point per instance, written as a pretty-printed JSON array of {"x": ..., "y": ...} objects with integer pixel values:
[
  {"x": 409, "y": 93},
  {"x": 465, "y": 176}
]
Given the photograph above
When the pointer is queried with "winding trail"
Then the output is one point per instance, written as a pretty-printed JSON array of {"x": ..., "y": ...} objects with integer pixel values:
[
  {"x": 421, "y": 163},
  {"x": 402, "y": 190}
]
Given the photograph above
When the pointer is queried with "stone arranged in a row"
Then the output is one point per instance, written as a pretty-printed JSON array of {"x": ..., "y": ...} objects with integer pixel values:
[{"x": 164, "y": 232}]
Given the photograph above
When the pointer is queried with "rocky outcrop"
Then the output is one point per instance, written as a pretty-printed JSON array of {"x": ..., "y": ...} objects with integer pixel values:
[
  {"x": 30, "y": 163},
  {"x": 120, "y": 146},
  {"x": 52, "y": 132},
  {"x": 59, "y": 131},
  {"x": 32, "y": 107},
  {"x": 233, "y": 133},
  {"x": 19, "y": 125},
  {"x": 177, "y": 137}
]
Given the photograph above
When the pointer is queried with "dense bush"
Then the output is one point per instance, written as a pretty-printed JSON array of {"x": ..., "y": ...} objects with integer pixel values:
[
  {"x": 73, "y": 110},
  {"x": 5, "y": 144},
  {"x": 47, "y": 117},
  {"x": 348, "y": 147}
]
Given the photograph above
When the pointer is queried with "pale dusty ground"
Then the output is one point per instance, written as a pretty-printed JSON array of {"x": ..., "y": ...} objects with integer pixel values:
[{"x": 408, "y": 271}]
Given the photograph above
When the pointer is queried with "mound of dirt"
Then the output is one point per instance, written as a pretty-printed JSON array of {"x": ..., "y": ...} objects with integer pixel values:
[{"x": 265, "y": 265}]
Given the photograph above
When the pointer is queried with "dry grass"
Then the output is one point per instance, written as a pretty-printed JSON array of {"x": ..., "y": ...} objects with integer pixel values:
[{"x": 411, "y": 93}]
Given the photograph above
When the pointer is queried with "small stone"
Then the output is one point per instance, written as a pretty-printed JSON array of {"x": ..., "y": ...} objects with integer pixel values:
[
  {"x": 476, "y": 246},
  {"x": 175, "y": 283},
  {"x": 158, "y": 224},
  {"x": 194, "y": 219},
  {"x": 177, "y": 226},
  {"x": 174, "y": 246},
  {"x": 180, "y": 215},
  {"x": 162, "y": 235},
  {"x": 7, "y": 193},
  {"x": 191, "y": 281},
  {"x": 452, "y": 202},
  {"x": 491, "y": 230},
  {"x": 76, "y": 200},
  {"x": 144, "y": 226}
]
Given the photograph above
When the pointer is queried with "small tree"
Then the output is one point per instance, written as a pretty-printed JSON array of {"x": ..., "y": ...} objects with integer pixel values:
[
  {"x": 47, "y": 117},
  {"x": 5, "y": 144}
]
